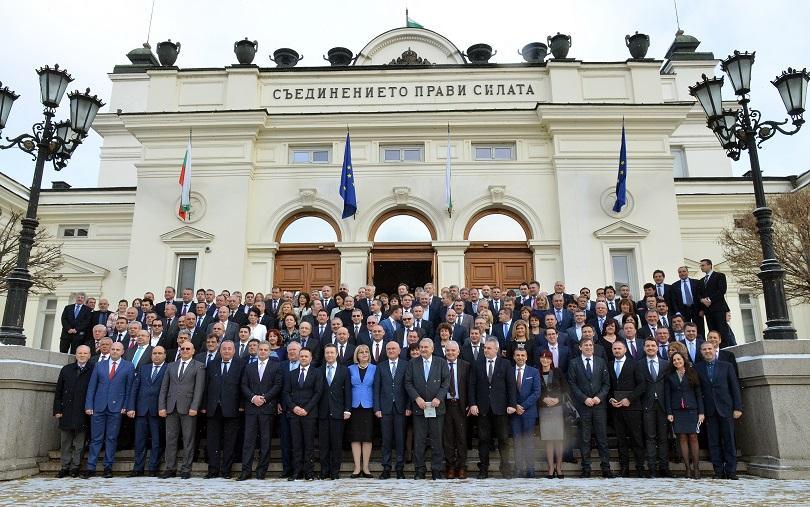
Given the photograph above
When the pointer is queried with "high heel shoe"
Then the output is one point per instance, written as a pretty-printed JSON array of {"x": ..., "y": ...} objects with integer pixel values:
[
  {"x": 355, "y": 476},
  {"x": 366, "y": 475}
]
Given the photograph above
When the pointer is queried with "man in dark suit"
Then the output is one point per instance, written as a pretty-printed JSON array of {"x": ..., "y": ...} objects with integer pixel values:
[
  {"x": 107, "y": 395},
  {"x": 559, "y": 288},
  {"x": 230, "y": 328},
  {"x": 355, "y": 325},
  {"x": 712, "y": 290},
  {"x": 627, "y": 387},
  {"x": 168, "y": 294},
  {"x": 223, "y": 404},
  {"x": 401, "y": 334},
  {"x": 662, "y": 290},
  {"x": 378, "y": 343},
  {"x": 692, "y": 342},
  {"x": 302, "y": 394},
  {"x": 560, "y": 354},
  {"x": 201, "y": 323},
  {"x": 634, "y": 343},
  {"x": 75, "y": 324},
  {"x": 261, "y": 387},
  {"x": 143, "y": 407},
  {"x": 454, "y": 434},
  {"x": 322, "y": 330},
  {"x": 598, "y": 322},
  {"x": 391, "y": 406},
  {"x": 651, "y": 325},
  {"x": 120, "y": 333},
  {"x": 502, "y": 330},
  {"x": 310, "y": 342},
  {"x": 656, "y": 428},
  {"x": 68, "y": 408},
  {"x": 101, "y": 315},
  {"x": 210, "y": 352},
  {"x": 684, "y": 299},
  {"x": 527, "y": 387},
  {"x": 285, "y": 435},
  {"x": 234, "y": 313},
  {"x": 419, "y": 321},
  {"x": 721, "y": 354},
  {"x": 345, "y": 349},
  {"x": 364, "y": 336},
  {"x": 473, "y": 349},
  {"x": 493, "y": 397},
  {"x": 427, "y": 380},
  {"x": 141, "y": 353},
  {"x": 565, "y": 318},
  {"x": 589, "y": 382},
  {"x": 181, "y": 397},
  {"x": 335, "y": 408},
  {"x": 723, "y": 405}
]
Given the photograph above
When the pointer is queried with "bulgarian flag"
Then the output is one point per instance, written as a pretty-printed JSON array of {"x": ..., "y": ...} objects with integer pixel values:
[
  {"x": 184, "y": 212},
  {"x": 409, "y": 23}
]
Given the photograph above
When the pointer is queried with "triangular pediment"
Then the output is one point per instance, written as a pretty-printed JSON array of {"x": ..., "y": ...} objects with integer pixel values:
[
  {"x": 73, "y": 267},
  {"x": 621, "y": 230},
  {"x": 187, "y": 235}
]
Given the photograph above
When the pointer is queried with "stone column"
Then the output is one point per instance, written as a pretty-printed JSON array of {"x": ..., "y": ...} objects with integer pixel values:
[
  {"x": 772, "y": 432},
  {"x": 450, "y": 259},
  {"x": 547, "y": 261},
  {"x": 354, "y": 263},
  {"x": 261, "y": 269}
]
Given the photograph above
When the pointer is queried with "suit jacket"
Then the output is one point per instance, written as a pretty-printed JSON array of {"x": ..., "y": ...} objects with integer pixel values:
[
  {"x": 306, "y": 396},
  {"x": 715, "y": 289},
  {"x": 728, "y": 356},
  {"x": 678, "y": 306},
  {"x": 582, "y": 387},
  {"x": 362, "y": 389},
  {"x": 224, "y": 391},
  {"x": 184, "y": 393},
  {"x": 529, "y": 392},
  {"x": 467, "y": 351},
  {"x": 125, "y": 339},
  {"x": 564, "y": 355},
  {"x": 721, "y": 395},
  {"x": 678, "y": 394},
  {"x": 400, "y": 335},
  {"x": 170, "y": 331},
  {"x": 698, "y": 356},
  {"x": 98, "y": 317},
  {"x": 427, "y": 327},
  {"x": 70, "y": 395},
  {"x": 231, "y": 330},
  {"x": 337, "y": 397},
  {"x": 202, "y": 357},
  {"x": 654, "y": 394},
  {"x": 363, "y": 337},
  {"x": 240, "y": 318},
  {"x": 160, "y": 308},
  {"x": 146, "y": 357},
  {"x": 390, "y": 328},
  {"x": 325, "y": 337},
  {"x": 463, "y": 383},
  {"x": 630, "y": 384},
  {"x": 389, "y": 391},
  {"x": 270, "y": 386},
  {"x": 562, "y": 324},
  {"x": 435, "y": 386},
  {"x": 639, "y": 342},
  {"x": 495, "y": 395},
  {"x": 364, "y": 306},
  {"x": 80, "y": 322},
  {"x": 104, "y": 393},
  {"x": 497, "y": 331},
  {"x": 372, "y": 346},
  {"x": 143, "y": 398},
  {"x": 348, "y": 354},
  {"x": 314, "y": 346}
]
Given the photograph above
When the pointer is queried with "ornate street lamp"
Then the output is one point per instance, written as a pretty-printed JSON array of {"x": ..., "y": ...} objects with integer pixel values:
[
  {"x": 48, "y": 142},
  {"x": 744, "y": 129}
]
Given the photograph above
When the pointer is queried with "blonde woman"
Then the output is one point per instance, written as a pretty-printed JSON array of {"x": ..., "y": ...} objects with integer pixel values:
[{"x": 362, "y": 374}]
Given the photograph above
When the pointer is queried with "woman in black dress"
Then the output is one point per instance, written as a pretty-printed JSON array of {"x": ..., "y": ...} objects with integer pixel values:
[
  {"x": 361, "y": 421},
  {"x": 684, "y": 402},
  {"x": 553, "y": 389}
]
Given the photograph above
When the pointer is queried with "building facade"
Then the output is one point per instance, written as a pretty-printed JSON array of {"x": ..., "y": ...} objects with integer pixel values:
[{"x": 533, "y": 153}]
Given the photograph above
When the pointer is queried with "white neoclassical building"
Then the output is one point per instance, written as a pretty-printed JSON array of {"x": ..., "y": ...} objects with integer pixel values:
[{"x": 534, "y": 154}]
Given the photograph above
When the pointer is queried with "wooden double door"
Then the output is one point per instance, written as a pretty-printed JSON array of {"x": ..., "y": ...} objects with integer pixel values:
[
  {"x": 506, "y": 265},
  {"x": 307, "y": 268}
]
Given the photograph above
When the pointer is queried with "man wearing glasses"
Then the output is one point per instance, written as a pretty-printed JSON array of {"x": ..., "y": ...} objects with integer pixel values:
[{"x": 157, "y": 335}]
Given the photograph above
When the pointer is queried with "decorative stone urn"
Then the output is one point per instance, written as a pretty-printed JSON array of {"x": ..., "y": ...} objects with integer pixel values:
[
  {"x": 167, "y": 52},
  {"x": 286, "y": 57},
  {"x": 479, "y": 53},
  {"x": 245, "y": 51},
  {"x": 559, "y": 45},
  {"x": 638, "y": 44},
  {"x": 534, "y": 52},
  {"x": 339, "y": 57}
]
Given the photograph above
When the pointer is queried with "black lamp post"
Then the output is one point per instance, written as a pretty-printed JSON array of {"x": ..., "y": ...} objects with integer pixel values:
[
  {"x": 48, "y": 142},
  {"x": 744, "y": 129}
]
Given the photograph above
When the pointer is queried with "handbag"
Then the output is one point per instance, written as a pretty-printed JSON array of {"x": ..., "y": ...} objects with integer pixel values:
[{"x": 570, "y": 411}]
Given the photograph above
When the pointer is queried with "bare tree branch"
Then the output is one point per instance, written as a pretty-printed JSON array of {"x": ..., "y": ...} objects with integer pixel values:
[{"x": 45, "y": 260}]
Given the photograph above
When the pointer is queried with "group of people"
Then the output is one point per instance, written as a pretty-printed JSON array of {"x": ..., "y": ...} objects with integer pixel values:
[{"x": 410, "y": 370}]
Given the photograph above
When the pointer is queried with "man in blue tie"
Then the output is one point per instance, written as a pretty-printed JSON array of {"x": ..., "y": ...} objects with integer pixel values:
[
  {"x": 143, "y": 407},
  {"x": 75, "y": 324}
]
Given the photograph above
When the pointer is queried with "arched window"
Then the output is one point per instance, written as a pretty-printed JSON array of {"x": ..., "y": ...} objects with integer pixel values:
[
  {"x": 307, "y": 228},
  {"x": 402, "y": 226},
  {"x": 496, "y": 225}
]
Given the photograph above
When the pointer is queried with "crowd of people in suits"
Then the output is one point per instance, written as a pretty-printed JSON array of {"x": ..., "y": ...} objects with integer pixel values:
[{"x": 411, "y": 370}]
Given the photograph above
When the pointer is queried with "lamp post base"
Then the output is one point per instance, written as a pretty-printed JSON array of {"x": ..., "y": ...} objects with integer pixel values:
[{"x": 10, "y": 335}]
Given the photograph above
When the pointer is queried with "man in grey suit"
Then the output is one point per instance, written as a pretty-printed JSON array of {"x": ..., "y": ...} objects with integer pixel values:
[
  {"x": 427, "y": 380},
  {"x": 181, "y": 396},
  {"x": 230, "y": 328},
  {"x": 589, "y": 382}
]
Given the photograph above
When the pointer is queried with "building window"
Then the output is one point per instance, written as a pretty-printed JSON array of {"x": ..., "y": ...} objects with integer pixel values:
[
  {"x": 750, "y": 316},
  {"x": 73, "y": 231},
  {"x": 403, "y": 154},
  {"x": 186, "y": 270},
  {"x": 48, "y": 319},
  {"x": 679, "y": 167},
  {"x": 624, "y": 269},
  {"x": 315, "y": 155},
  {"x": 494, "y": 151}
]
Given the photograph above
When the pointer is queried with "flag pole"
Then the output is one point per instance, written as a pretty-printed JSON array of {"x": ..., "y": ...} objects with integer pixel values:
[
  {"x": 406, "y": 16},
  {"x": 447, "y": 177}
]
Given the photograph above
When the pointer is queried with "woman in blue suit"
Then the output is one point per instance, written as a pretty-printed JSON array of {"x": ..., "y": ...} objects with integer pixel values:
[
  {"x": 362, "y": 374},
  {"x": 684, "y": 402}
]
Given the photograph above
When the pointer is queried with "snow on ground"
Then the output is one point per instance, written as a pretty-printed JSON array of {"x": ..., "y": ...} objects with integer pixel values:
[{"x": 197, "y": 491}]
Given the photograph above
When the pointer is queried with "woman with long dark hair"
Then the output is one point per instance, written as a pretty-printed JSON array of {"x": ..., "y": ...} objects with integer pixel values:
[
  {"x": 684, "y": 402},
  {"x": 553, "y": 389}
]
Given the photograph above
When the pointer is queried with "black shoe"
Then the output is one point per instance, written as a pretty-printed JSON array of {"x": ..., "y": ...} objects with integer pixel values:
[
  {"x": 483, "y": 474},
  {"x": 243, "y": 476},
  {"x": 152, "y": 473},
  {"x": 136, "y": 473},
  {"x": 355, "y": 476},
  {"x": 226, "y": 475},
  {"x": 290, "y": 478},
  {"x": 586, "y": 474},
  {"x": 400, "y": 474},
  {"x": 386, "y": 474},
  {"x": 664, "y": 473},
  {"x": 559, "y": 476},
  {"x": 309, "y": 477},
  {"x": 108, "y": 473},
  {"x": 419, "y": 476},
  {"x": 335, "y": 477},
  {"x": 437, "y": 476},
  {"x": 364, "y": 475},
  {"x": 624, "y": 472},
  {"x": 211, "y": 475},
  {"x": 64, "y": 472},
  {"x": 732, "y": 477},
  {"x": 640, "y": 472},
  {"x": 607, "y": 474},
  {"x": 261, "y": 476},
  {"x": 168, "y": 474},
  {"x": 88, "y": 474},
  {"x": 185, "y": 475},
  {"x": 551, "y": 476},
  {"x": 75, "y": 472}
]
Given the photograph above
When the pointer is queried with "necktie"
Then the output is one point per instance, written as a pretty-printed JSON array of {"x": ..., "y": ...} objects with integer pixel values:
[
  {"x": 520, "y": 378},
  {"x": 664, "y": 320},
  {"x": 393, "y": 369},
  {"x": 418, "y": 323},
  {"x": 632, "y": 348},
  {"x": 610, "y": 306},
  {"x": 261, "y": 370},
  {"x": 322, "y": 330},
  {"x": 588, "y": 370},
  {"x": 356, "y": 330},
  {"x": 452, "y": 390},
  {"x": 660, "y": 290},
  {"x": 76, "y": 311},
  {"x": 426, "y": 364},
  {"x": 132, "y": 344},
  {"x": 377, "y": 352},
  {"x": 112, "y": 370},
  {"x": 101, "y": 318},
  {"x": 155, "y": 370},
  {"x": 475, "y": 352},
  {"x": 301, "y": 377},
  {"x": 664, "y": 351},
  {"x": 490, "y": 369},
  {"x": 559, "y": 316},
  {"x": 505, "y": 330},
  {"x": 601, "y": 323},
  {"x": 711, "y": 371},
  {"x": 199, "y": 321},
  {"x": 241, "y": 350},
  {"x": 341, "y": 351},
  {"x": 687, "y": 293},
  {"x": 653, "y": 369},
  {"x": 182, "y": 369},
  {"x": 329, "y": 374},
  {"x": 137, "y": 357},
  {"x": 224, "y": 368},
  {"x": 554, "y": 355},
  {"x": 210, "y": 357},
  {"x": 691, "y": 350},
  {"x": 618, "y": 368},
  {"x": 184, "y": 310}
]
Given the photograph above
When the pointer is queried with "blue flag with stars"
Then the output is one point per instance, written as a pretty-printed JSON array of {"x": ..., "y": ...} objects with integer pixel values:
[
  {"x": 347, "y": 183},
  {"x": 621, "y": 179}
]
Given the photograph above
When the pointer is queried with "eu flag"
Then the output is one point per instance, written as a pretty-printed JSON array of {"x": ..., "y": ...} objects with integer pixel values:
[
  {"x": 621, "y": 179},
  {"x": 347, "y": 183}
]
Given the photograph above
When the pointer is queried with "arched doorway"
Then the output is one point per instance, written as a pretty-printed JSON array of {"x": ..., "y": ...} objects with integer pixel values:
[
  {"x": 498, "y": 252},
  {"x": 402, "y": 251},
  {"x": 307, "y": 258}
]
